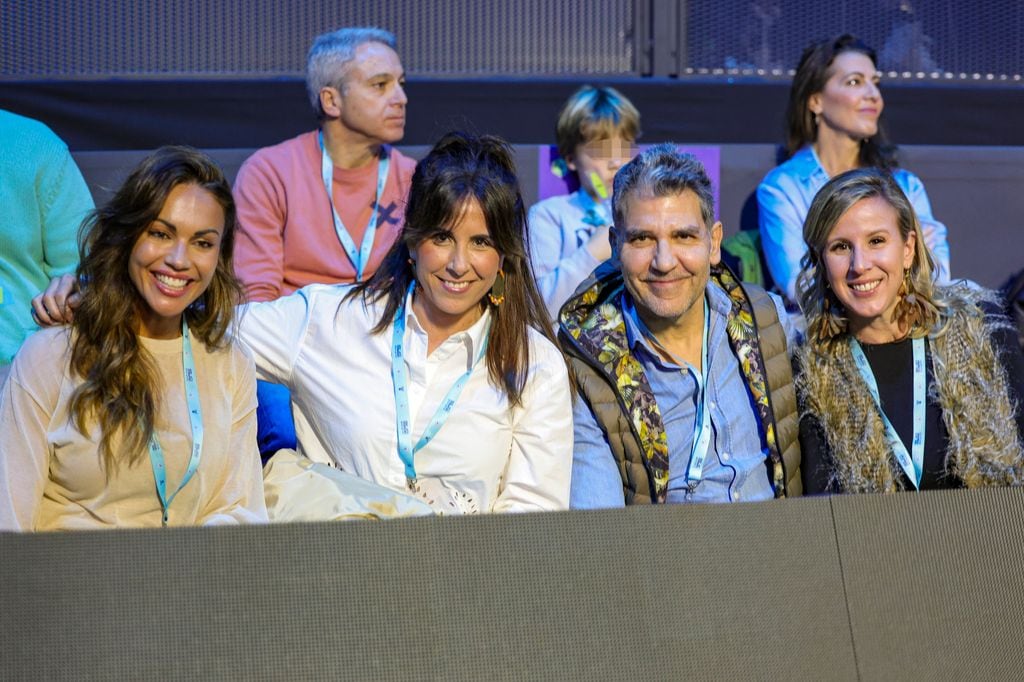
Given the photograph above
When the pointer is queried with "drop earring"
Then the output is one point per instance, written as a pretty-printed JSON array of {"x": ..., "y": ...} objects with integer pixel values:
[
  {"x": 908, "y": 295},
  {"x": 497, "y": 292}
]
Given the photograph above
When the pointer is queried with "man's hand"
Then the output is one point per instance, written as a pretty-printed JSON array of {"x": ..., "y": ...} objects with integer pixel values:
[{"x": 57, "y": 304}]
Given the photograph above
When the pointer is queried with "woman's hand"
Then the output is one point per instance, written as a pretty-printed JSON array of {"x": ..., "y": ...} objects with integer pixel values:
[{"x": 57, "y": 304}]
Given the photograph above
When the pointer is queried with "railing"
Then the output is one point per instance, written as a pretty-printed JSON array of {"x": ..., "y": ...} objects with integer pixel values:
[
  {"x": 938, "y": 41},
  {"x": 924, "y": 586}
]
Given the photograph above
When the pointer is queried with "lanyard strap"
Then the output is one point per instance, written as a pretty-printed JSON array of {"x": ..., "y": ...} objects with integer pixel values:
[
  {"x": 912, "y": 464},
  {"x": 195, "y": 418},
  {"x": 406, "y": 450},
  {"x": 702, "y": 420},
  {"x": 361, "y": 257}
]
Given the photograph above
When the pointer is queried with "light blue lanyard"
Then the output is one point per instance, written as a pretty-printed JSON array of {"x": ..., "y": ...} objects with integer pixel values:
[
  {"x": 702, "y": 420},
  {"x": 913, "y": 465},
  {"x": 406, "y": 451},
  {"x": 361, "y": 257},
  {"x": 195, "y": 418}
]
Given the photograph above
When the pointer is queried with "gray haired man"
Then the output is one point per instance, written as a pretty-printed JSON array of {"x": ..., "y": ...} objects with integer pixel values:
[
  {"x": 324, "y": 207},
  {"x": 685, "y": 387}
]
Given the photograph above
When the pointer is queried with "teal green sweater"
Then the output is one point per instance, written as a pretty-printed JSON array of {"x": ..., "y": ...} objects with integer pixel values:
[{"x": 43, "y": 199}]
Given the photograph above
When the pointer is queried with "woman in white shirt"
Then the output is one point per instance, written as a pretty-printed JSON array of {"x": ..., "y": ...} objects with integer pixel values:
[
  {"x": 439, "y": 375},
  {"x": 141, "y": 412}
]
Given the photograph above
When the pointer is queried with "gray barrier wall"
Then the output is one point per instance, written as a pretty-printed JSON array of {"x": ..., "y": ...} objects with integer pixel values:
[{"x": 910, "y": 586}]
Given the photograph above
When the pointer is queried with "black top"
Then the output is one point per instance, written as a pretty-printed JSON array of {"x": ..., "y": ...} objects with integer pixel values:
[{"x": 893, "y": 367}]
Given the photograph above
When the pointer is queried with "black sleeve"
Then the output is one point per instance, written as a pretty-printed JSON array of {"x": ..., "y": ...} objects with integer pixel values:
[
  {"x": 815, "y": 459},
  {"x": 1007, "y": 347}
]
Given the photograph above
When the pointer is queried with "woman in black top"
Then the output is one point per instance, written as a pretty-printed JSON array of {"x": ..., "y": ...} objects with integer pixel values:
[{"x": 903, "y": 384}]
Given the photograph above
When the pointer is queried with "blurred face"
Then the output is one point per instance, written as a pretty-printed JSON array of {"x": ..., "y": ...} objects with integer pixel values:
[
  {"x": 174, "y": 259},
  {"x": 864, "y": 259},
  {"x": 455, "y": 269},
  {"x": 666, "y": 253},
  {"x": 596, "y": 163},
  {"x": 850, "y": 103},
  {"x": 371, "y": 103}
]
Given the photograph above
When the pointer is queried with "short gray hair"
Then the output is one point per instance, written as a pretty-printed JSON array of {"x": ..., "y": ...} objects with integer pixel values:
[
  {"x": 329, "y": 55},
  {"x": 662, "y": 171}
]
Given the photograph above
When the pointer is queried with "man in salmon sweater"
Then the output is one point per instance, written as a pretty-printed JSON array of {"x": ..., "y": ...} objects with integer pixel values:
[
  {"x": 325, "y": 207},
  {"x": 293, "y": 232}
]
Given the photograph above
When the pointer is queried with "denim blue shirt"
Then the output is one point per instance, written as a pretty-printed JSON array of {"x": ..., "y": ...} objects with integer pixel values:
[
  {"x": 735, "y": 468},
  {"x": 784, "y": 198}
]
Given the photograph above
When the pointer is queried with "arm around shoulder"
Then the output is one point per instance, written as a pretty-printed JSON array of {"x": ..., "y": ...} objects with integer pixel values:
[{"x": 273, "y": 332}]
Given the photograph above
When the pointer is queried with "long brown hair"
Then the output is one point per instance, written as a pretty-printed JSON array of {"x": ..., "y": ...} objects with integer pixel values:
[
  {"x": 458, "y": 168},
  {"x": 812, "y": 73},
  {"x": 121, "y": 383}
]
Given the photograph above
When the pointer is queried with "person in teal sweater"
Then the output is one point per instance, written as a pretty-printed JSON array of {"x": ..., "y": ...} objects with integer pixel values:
[{"x": 43, "y": 199}]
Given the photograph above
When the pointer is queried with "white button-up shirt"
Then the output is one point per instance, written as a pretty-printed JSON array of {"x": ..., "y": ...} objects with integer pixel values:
[{"x": 486, "y": 457}]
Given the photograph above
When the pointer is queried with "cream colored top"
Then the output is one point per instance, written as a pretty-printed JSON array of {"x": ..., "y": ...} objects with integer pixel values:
[{"x": 52, "y": 476}]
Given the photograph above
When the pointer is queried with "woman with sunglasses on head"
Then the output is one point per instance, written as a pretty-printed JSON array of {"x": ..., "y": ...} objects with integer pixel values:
[{"x": 140, "y": 412}]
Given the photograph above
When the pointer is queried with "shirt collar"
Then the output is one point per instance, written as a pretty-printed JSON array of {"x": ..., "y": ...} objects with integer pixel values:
[
  {"x": 585, "y": 201},
  {"x": 471, "y": 338},
  {"x": 717, "y": 298},
  {"x": 807, "y": 165}
]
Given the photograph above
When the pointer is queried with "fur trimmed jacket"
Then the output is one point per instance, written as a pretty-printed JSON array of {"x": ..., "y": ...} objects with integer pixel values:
[{"x": 968, "y": 384}]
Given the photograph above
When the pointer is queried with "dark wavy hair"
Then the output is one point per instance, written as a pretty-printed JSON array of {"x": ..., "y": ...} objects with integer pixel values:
[
  {"x": 121, "y": 382},
  {"x": 811, "y": 75},
  {"x": 461, "y": 168}
]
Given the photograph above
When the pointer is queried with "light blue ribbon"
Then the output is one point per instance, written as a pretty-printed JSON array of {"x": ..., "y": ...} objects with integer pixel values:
[
  {"x": 195, "y": 418},
  {"x": 361, "y": 257},
  {"x": 912, "y": 464},
  {"x": 406, "y": 451}
]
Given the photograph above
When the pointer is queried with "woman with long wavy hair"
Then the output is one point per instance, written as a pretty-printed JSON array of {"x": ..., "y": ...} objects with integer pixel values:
[
  {"x": 140, "y": 412},
  {"x": 833, "y": 124},
  {"x": 903, "y": 384},
  {"x": 439, "y": 376}
]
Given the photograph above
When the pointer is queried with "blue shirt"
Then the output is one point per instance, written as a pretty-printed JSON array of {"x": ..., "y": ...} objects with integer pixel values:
[
  {"x": 735, "y": 468},
  {"x": 784, "y": 198}
]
